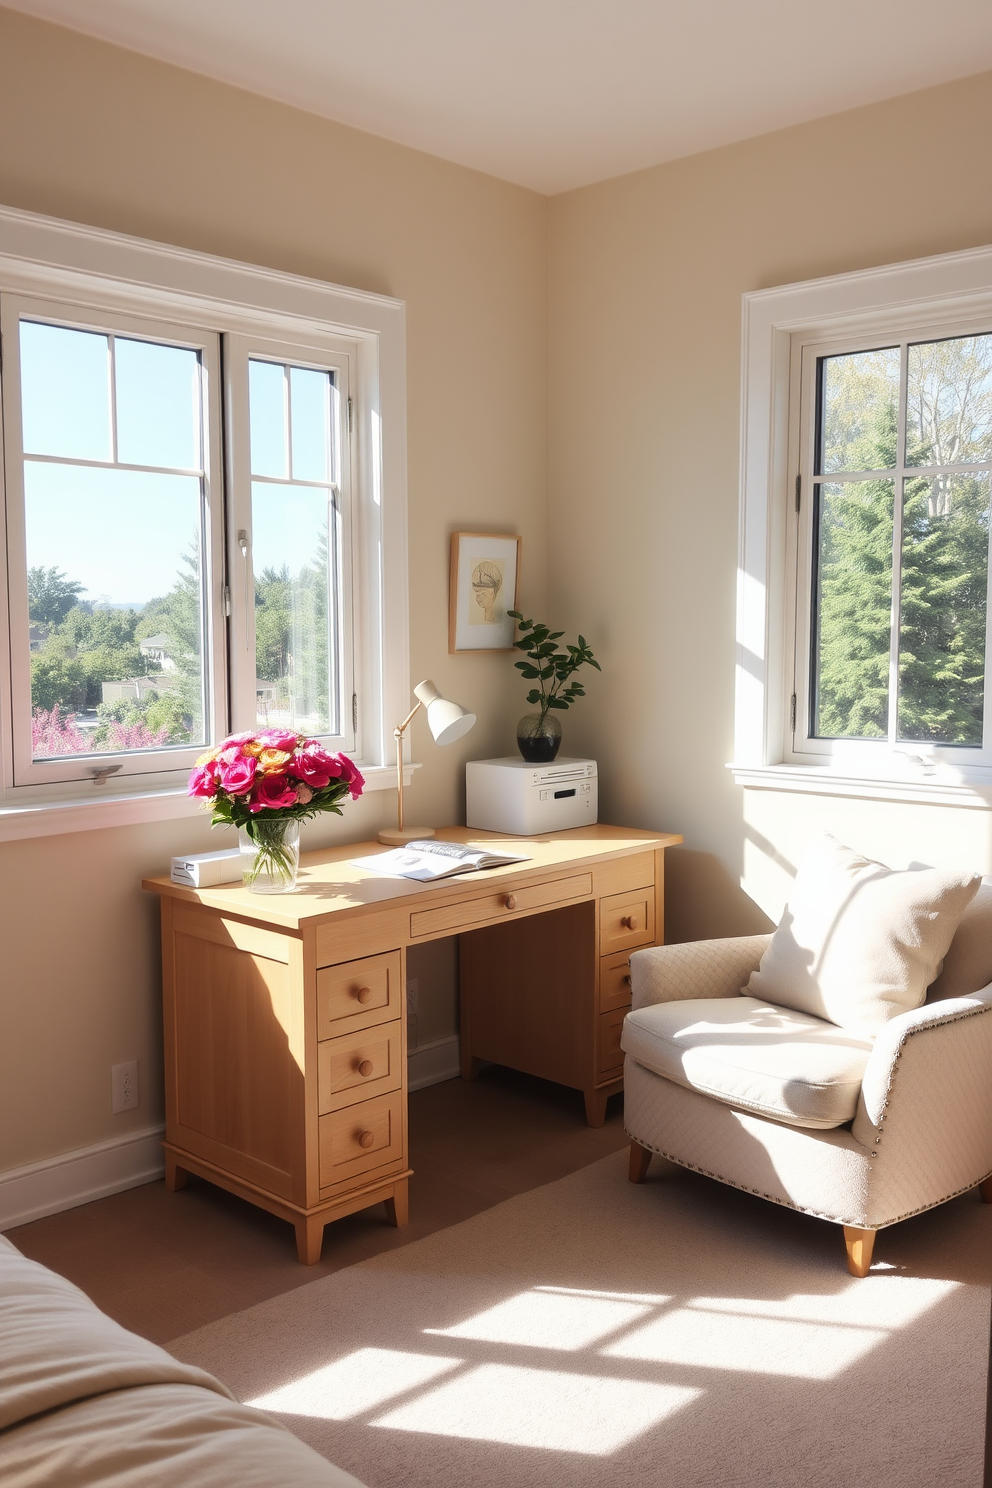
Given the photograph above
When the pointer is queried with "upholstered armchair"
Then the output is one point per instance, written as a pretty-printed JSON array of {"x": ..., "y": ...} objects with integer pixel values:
[{"x": 860, "y": 1126}]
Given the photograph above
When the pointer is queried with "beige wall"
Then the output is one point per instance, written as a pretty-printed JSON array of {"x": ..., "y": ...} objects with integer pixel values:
[
  {"x": 646, "y": 277},
  {"x": 646, "y": 274},
  {"x": 103, "y": 136}
]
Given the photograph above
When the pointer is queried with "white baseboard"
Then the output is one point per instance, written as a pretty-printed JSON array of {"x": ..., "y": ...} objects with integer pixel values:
[
  {"x": 90, "y": 1173},
  {"x": 79, "y": 1177},
  {"x": 432, "y": 1063}
]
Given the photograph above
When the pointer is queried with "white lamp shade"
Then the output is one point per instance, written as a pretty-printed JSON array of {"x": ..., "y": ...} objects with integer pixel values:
[{"x": 446, "y": 721}]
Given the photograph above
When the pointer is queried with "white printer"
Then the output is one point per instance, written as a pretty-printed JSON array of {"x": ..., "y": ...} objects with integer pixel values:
[{"x": 509, "y": 795}]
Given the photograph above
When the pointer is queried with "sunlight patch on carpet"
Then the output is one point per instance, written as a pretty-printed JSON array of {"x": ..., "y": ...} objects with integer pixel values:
[
  {"x": 542, "y": 1318},
  {"x": 355, "y": 1384},
  {"x": 541, "y": 1408},
  {"x": 753, "y": 1345}
]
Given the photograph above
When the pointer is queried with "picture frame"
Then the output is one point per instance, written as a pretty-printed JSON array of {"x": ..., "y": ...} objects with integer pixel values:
[{"x": 483, "y": 583}]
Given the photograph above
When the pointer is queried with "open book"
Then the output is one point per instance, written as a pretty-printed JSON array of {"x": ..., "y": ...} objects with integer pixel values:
[{"x": 428, "y": 858}]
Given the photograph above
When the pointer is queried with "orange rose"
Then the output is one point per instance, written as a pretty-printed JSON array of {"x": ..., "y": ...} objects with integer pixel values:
[{"x": 272, "y": 761}]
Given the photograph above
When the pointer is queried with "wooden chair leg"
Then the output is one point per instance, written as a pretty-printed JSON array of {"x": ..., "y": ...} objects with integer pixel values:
[
  {"x": 175, "y": 1176},
  {"x": 985, "y": 1189},
  {"x": 639, "y": 1159},
  {"x": 398, "y": 1207},
  {"x": 309, "y": 1239},
  {"x": 860, "y": 1244}
]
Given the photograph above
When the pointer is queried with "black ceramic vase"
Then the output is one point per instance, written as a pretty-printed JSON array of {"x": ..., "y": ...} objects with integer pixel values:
[{"x": 539, "y": 737}]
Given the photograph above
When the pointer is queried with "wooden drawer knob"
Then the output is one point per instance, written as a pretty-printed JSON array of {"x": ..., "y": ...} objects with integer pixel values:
[
  {"x": 366, "y": 1139},
  {"x": 365, "y": 1068},
  {"x": 510, "y": 901},
  {"x": 629, "y": 922},
  {"x": 364, "y": 994}
]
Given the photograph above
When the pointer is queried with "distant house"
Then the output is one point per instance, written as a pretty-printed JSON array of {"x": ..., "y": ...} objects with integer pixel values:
[
  {"x": 37, "y": 636},
  {"x": 135, "y": 689},
  {"x": 157, "y": 648}
]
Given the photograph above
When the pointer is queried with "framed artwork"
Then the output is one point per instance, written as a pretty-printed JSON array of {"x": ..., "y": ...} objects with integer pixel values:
[{"x": 483, "y": 584}]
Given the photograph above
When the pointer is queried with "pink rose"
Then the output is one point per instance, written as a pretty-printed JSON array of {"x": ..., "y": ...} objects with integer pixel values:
[
  {"x": 277, "y": 739},
  {"x": 203, "y": 780},
  {"x": 353, "y": 775},
  {"x": 271, "y": 793},
  {"x": 236, "y": 740},
  {"x": 304, "y": 795},
  {"x": 237, "y": 772},
  {"x": 315, "y": 766}
]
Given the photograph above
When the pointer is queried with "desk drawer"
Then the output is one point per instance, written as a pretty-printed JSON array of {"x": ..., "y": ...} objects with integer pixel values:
[
  {"x": 358, "y": 994},
  {"x": 359, "y": 1066},
  {"x": 614, "y": 982},
  {"x": 360, "y": 1137},
  {"x": 483, "y": 908},
  {"x": 609, "y": 1059},
  {"x": 626, "y": 921}
]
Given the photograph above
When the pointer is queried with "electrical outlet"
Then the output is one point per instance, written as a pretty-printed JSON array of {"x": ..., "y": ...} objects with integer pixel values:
[{"x": 124, "y": 1086}]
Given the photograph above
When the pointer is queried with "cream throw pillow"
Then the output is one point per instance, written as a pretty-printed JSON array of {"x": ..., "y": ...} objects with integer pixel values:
[{"x": 859, "y": 943}]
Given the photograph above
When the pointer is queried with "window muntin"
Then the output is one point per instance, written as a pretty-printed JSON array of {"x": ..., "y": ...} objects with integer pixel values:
[{"x": 892, "y": 630}]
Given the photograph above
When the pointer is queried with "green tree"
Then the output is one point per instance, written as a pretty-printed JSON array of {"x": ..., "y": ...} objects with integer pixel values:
[
  {"x": 51, "y": 595},
  {"x": 944, "y": 556}
]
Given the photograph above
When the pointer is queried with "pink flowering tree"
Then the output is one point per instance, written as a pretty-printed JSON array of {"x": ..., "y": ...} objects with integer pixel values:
[{"x": 52, "y": 734}]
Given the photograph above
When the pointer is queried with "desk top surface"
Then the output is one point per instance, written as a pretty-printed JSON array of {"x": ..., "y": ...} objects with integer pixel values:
[{"x": 329, "y": 883}]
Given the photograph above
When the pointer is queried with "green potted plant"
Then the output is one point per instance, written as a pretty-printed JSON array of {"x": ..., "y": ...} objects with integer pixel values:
[{"x": 539, "y": 734}]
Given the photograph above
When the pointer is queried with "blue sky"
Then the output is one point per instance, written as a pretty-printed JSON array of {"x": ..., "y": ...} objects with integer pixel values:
[{"x": 123, "y": 533}]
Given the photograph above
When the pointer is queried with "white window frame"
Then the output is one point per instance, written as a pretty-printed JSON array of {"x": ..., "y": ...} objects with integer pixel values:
[
  {"x": 29, "y": 778},
  {"x": 45, "y": 259},
  {"x": 890, "y": 302},
  {"x": 327, "y": 353}
]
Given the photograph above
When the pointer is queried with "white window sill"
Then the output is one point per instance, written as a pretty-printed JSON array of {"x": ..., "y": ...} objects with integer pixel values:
[
  {"x": 938, "y": 786},
  {"x": 87, "y": 814}
]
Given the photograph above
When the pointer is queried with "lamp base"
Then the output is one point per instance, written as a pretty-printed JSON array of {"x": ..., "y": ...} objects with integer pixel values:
[{"x": 397, "y": 837}]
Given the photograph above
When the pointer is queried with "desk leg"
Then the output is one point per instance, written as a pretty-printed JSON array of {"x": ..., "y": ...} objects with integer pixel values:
[
  {"x": 309, "y": 1239},
  {"x": 175, "y": 1176},
  {"x": 398, "y": 1207},
  {"x": 596, "y": 1106}
]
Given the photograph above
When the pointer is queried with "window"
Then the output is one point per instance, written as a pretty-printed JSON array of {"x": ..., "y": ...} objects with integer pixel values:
[
  {"x": 200, "y": 535},
  {"x": 863, "y": 589},
  {"x": 894, "y": 540}
]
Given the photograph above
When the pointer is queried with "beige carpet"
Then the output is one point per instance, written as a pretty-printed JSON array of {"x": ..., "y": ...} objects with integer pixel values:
[{"x": 594, "y": 1333}]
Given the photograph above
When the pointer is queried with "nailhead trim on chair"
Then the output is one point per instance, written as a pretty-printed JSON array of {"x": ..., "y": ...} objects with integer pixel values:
[
  {"x": 893, "y": 1069},
  {"x": 800, "y": 1208}
]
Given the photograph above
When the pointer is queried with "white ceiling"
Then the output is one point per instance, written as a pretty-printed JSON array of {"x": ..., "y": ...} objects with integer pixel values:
[{"x": 554, "y": 94}]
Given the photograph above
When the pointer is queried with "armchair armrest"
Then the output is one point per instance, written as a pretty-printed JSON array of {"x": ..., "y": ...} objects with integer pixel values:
[
  {"x": 925, "y": 1112},
  {"x": 696, "y": 968}
]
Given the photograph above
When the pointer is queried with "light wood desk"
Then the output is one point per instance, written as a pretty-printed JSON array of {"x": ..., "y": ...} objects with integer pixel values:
[{"x": 285, "y": 1019}]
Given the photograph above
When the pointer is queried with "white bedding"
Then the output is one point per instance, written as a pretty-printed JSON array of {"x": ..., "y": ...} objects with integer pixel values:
[{"x": 86, "y": 1404}]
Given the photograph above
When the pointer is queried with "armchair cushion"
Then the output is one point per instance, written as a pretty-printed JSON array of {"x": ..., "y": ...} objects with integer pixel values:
[
  {"x": 859, "y": 943},
  {"x": 753, "y": 1055}
]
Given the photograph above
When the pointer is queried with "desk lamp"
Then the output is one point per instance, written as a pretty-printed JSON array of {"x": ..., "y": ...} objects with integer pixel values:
[{"x": 447, "y": 722}]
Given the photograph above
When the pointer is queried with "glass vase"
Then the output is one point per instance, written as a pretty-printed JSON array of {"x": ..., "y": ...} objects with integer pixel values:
[
  {"x": 538, "y": 737},
  {"x": 270, "y": 855}
]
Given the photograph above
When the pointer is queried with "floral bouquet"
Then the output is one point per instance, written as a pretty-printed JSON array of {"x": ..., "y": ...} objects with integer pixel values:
[{"x": 265, "y": 784}]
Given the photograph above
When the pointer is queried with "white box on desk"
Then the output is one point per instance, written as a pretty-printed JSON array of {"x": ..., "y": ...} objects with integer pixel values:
[
  {"x": 509, "y": 795},
  {"x": 200, "y": 870}
]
